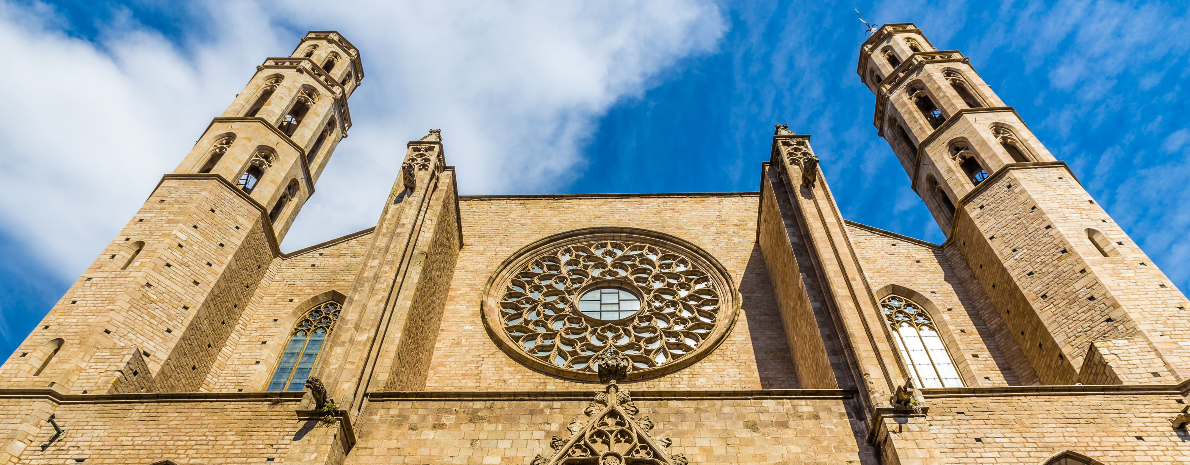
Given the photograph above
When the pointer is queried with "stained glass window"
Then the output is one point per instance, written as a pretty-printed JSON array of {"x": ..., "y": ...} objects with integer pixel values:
[
  {"x": 920, "y": 344},
  {"x": 304, "y": 347}
]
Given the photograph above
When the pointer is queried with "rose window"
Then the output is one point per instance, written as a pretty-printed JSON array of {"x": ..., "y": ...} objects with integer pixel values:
[{"x": 655, "y": 299}]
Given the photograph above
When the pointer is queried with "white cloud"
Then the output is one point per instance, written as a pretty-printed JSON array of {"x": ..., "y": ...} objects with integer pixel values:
[{"x": 89, "y": 127}]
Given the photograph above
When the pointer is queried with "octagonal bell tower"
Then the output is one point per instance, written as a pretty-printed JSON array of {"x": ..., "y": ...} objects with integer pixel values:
[{"x": 1083, "y": 302}]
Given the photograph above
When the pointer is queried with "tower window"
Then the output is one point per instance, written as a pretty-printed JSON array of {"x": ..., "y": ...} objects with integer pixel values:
[
  {"x": 1010, "y": 143},
  {"x": 261, "y": 160},
  {"x": 291, "y": 192},
  {"x": 322, "y": 136},
  {"x": 974, "y": 171},
  {"x": 891, "y": 57},
  {"x": 921, "y": 347},
  {"x": 310, "y": 51},
  {"x": 1071, "y": 458},
  {"x": 874, "y": 78},
  {"x": 913, "y": 45},
  {"x": 906, "y": 141},
  {"x": 928, "y": 109},
  {"x": 42, "y": 357},
  {"x": 329, "y": 64},
  {"x": 959, "y": 84},
  {"x": 346, "y": 78},
  {"x": 270, "y": 86},
  {"x": 940, "y": 195},
  {"x": 217, "y": 152},
  {"x": 290, "y": 122},
  {"x": 304, "y": 348},
  {"x": 1102, "y": 243},
  {"x": 134, "y": 249}
]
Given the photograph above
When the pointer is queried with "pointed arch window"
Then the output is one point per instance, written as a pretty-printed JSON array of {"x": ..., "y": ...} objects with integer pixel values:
[
  {"x": 310, "y": 51},
  {"x": 920, "y": 345},
  {"x": 45, "y": 354},
  {"x": 261, "y": 161},
  {"x": 1071, "y": 458},
  {"x": 322, "y": 136},
  {"x": 960, "y": 86},
  {"x": 291, "y": 192},
  {"x": 1011, "y": 143},
  {"x": 270, "y": 86},
  {"x": 941, "y": 197},
  {"x": 905, "y": 140},
  {"x": 891, "y": 57},
  {"x": 305, "y": 100},
  {"x": 1102, "y": 243},
  {"x": 929, "y": 110},
  {"x": 305, "y": 347},
  {"x": 217, "y": 152},
  {"x": 329, "y": 64},
  {"x": 972, "y": 168},
  {"x": 913, "y": 45}
]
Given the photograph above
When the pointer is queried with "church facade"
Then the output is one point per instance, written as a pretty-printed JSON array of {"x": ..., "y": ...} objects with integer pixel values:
[{"x": 615, "y": 329}]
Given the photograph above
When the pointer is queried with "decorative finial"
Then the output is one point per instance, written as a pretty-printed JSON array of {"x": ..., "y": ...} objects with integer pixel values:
[
  {"x": 434, "y": 135},
  {"x": 782, "y": 130},
  {"x": 872, "y": 27}
]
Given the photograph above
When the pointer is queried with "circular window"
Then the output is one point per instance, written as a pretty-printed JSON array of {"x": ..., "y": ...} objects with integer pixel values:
[
  {"x": 608, "y": 303},
  {"x": 561, "y": 302}
]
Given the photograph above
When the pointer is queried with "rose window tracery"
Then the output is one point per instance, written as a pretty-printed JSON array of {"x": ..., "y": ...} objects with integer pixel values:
[{"x": 656, "y": 302}]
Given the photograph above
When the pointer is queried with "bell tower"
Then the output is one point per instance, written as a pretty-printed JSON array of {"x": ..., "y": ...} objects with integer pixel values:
[
  {"x": 1083, "y": 302},
  {"x": 154, "y": 310}
]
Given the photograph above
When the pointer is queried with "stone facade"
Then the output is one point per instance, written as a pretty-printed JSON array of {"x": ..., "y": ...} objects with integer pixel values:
[{"x": 744, "y": 327}]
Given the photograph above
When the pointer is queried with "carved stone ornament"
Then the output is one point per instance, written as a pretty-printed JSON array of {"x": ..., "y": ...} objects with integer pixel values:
[
  {"x": 683, "y": 304},
  {"x": 797, "y": 153},
  {"x": 421, "y": 156},
  {"x": 273, "y": 81},
  {"x": 407, "y": 178},
  {"x": 782, "y": 130},
  {"x": 318, "y": 390},
  {"x": 612, "y": 436}
]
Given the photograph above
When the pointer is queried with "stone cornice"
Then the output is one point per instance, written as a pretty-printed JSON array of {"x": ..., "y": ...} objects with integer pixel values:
[
  {"x": 472, "y": 198},
  {"x": 338, "y": 38},
  {"x": 893, "y": 235},
  {"x": 55, "y": 396},
  {"x": 879, "y": 36},
  {"x": 377, "y": 396},
  {"x": 1058, "y": 390},
  {"x": 301, "y": 152}
]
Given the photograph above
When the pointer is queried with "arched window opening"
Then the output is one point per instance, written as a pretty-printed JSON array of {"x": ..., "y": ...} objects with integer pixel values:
[
  {"x": 270, "y": 86},
  {"x": 329, "y": 64},
  {"x": 1102, "y": 243},
  {"x": 310, "y": 51},
  {"x": 304, "y": 347},
  {"x": 972, "y": 168},
  {"x": 261, "y": 161},
  {"x": 941, "y": 197},
  {"x": 913, "y": 45},
  {"x": 926, "y": 104},
  {"x": 135, "y": 248},
  {"x": 291, "y": 192},
  {"x": 217, "y": 152},
  {"x": 874, "y": 77},
  {"x": 920, "y": 345},
  {"x": 322, "y": 136},
  {"x": 891, "y": 57},
  {"x": 959, "y": 84},
  {"x": 293, "y": 119},
  {"x": 1071, "y": 458},
  {"x": 906, "y": 141},
  {"x": 45, "y": 354},
  {"x": 1010, "y": 143}
]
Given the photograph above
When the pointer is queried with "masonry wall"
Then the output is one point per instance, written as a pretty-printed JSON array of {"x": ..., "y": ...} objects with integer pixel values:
[
  {"x": 753, "y": 355},
  {"x": 1028, "y": 426},
  {"x": 789, "y": 428},
  {"x": 141, "y": 429},
  {"x": 982, "y": 349}
]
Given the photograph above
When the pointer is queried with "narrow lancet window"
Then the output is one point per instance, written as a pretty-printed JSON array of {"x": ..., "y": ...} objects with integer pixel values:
[
  {"x": 329, "y": 64},
  {"x": 291, "y": 192},
  {"x": 891, "y": 56},
  {"x": 1010, "y": 143},
  {"x": 962, "y": 89},
  {"x": 920, "y": 345},
  {"x": 940, "y": 195},
  {"x": 217, "y": 152},
  {"x": 45, "y": 354},
  {"x": 270, "y": 86},
  {"x": 304, "y": 348},
  {"x": 907, "y": 141},
  {"x": 134, "y": 249},
  {"x": 310, "y": 51},
  {"x": 261, "y": 161},
  {"x": 973, "y": 170},
  {"x": 928, "y": 109},
  {"x": 913, "y": 45},
  {"x": 293, "y": 119},
  {"x": 322, "y": 136}
]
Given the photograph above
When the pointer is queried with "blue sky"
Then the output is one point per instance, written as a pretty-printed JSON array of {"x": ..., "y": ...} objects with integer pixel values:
[{"x": 663, "y": 96}]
